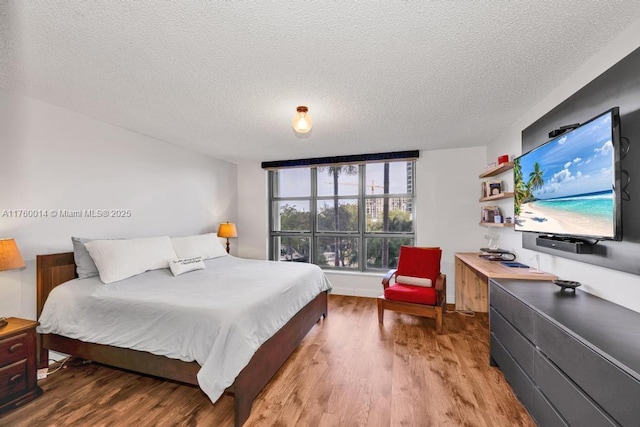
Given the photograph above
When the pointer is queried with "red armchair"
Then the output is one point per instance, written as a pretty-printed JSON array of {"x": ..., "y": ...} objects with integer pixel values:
[{"x": 417, "y": 286}]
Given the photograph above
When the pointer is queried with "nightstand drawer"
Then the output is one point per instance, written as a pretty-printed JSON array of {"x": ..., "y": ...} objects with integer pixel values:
[
  {"x": 13, "y": 378},
  {"x": 18, "y": 378},
  {"x": 14, "y": 348}
]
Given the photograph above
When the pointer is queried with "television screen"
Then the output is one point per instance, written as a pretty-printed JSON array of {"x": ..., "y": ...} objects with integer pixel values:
[{"x": 569, "y": 186}]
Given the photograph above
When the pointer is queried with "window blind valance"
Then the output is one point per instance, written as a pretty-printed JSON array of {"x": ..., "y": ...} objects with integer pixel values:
[{"x": 336, "y": 160}]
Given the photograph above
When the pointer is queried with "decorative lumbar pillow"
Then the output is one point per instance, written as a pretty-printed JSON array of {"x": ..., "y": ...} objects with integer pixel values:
[
  {"x": 85, "y": 267},
  {"x": 415, "y": 281},
  {"x": 181, "y": 266},
  {"x": 205, "y": 246},
  {"x": 120, "y": 259}
]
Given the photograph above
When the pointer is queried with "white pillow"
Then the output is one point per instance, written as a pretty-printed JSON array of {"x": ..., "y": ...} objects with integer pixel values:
[
  {"x": 415, "y": 281},
  {"x": 119, "y": 259},
  {"x": 181, "y": 266},
  {"x": 205, "y": 246}
]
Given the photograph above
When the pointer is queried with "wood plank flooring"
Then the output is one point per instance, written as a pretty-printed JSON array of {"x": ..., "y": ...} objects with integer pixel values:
[{"x": 348, "y": 371}]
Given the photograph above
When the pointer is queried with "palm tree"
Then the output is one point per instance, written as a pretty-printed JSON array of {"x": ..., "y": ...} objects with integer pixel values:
[
  {"x": 335, "y": 171},
  {"x": 535, "y": 177},
  {"x": 520, "y": 189}
]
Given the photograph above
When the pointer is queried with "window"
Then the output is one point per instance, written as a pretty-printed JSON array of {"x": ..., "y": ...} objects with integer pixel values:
[{"x": 342, "y": 216}]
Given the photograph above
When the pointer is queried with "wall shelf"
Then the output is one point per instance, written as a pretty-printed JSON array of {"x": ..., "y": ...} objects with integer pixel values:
[
  {"x": 502, "y": 167},
  {"x": 496, "y": 224},
  {"x": 500, "y": 196}
]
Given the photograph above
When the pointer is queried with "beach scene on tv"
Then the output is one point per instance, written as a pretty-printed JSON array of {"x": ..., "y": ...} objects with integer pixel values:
[{"x": 565, "y": 187}]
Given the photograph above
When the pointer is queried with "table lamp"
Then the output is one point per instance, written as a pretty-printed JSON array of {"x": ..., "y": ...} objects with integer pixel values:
[
  {"x": 10, "y": 259},
  {"x": 227, "y": 229}
]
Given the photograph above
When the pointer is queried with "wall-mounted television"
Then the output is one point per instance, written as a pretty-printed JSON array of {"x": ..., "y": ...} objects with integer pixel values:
[{"x": 570, "y": 186}]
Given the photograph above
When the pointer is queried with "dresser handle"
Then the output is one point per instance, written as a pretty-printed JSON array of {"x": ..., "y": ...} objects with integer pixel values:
[
  {"x": 15, "y": 347},
  {"x": 15, "y": 378}
]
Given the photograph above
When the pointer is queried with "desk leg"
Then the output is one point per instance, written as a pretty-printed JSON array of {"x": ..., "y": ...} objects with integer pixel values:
[{"x": 471, "y": 289}]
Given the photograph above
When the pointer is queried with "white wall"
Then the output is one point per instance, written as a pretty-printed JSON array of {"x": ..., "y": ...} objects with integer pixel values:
[
  {"x": 621, "y": 288},
  {"x": 447, "y": 214},
  {"x": 448, "y": 189},
  {"x": 52, "y": 159},
  {"x": 253, "y": 215}
]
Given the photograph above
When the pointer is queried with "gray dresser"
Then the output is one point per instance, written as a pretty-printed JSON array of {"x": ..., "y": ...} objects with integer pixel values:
[{"x": 571, "y": 359}]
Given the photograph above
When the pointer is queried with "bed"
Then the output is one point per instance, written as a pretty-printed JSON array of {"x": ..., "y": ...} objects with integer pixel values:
[{"x": 57, "y": 269}]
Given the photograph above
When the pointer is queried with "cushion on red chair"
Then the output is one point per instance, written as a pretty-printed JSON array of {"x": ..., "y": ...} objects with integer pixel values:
[
  {"x": 419, "y": 262},
  {"x": 409, "y": 293}
]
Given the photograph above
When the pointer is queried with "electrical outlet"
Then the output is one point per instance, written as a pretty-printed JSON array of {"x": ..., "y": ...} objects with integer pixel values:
[{"x": 42, "y": 373}]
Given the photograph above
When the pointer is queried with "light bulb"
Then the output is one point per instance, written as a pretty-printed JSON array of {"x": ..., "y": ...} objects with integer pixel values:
[{"x": 302, "y": 121}]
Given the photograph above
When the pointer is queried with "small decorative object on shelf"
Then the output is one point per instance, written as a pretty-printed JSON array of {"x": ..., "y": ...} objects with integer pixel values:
[
  {"x": 489, "y": 213},
  {"x": 488, "y": 189},
  {"x": 495, "y": 188},
  {"x": 508, "y": 220},
  {"x": 503, "y": 159}
]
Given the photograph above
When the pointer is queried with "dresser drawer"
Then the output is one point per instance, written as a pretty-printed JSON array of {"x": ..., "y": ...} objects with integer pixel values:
[
  {"x": 519, "y": 347},
  {"x": 14, "y": 348},
  {"x": 514, "y": 311},
  {"x": 544, "y": 413},
  {"x": 602, "y": 381},
  {"x": 569, "y": 400},
  {"x": 13, "y": 378},
  {"x": 520, "y": 383}
]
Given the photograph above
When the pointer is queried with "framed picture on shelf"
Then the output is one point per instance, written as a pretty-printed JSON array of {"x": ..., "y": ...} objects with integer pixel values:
[
  {"x": 495, "y": 188},
  {"x": 489, "y": 213}
]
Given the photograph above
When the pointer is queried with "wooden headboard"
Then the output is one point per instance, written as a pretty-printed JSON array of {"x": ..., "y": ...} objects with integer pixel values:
[{"x": 52, "y": 270}]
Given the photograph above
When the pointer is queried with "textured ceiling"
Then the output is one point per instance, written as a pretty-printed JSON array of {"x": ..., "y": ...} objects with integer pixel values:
[{"x": 224, "y": 78}]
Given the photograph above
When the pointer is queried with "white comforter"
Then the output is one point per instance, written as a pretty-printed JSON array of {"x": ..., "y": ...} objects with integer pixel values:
[{"x": 218, "y": 316}]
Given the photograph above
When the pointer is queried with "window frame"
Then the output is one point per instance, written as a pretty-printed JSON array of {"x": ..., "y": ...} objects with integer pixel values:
[{"x": 361, "y": 234}]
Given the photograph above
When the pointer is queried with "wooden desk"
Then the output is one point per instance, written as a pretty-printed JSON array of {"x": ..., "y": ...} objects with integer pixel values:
[{"x": 472, "y": 279}]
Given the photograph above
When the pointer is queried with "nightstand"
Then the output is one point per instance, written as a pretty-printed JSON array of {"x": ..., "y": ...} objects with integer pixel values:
[{"x": 18, "y": 380}]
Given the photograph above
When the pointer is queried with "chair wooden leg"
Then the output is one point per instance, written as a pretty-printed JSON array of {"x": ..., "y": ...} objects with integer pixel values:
[
  {"x": 438, "y": 320},
  {"x": 380, "y": 310}
]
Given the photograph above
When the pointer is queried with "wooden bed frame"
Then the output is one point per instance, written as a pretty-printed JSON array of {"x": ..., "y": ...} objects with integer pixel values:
[{"x": 55, "y": 269}]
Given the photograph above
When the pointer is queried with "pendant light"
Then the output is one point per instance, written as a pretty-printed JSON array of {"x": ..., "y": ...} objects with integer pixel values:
[{"x": 302, "y": 121}]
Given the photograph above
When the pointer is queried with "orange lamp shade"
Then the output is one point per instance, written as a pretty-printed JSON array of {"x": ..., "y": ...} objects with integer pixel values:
[
  {"x": 227, "y": 229},
  {"x": 10, "y": 257}
]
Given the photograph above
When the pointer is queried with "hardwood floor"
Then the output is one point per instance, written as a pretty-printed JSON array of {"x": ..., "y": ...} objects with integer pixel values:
[{"x": 347, "y": 372}]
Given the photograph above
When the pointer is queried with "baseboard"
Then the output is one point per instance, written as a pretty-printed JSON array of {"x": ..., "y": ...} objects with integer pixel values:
[{"x": 367, "y": 293}]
